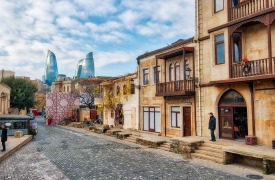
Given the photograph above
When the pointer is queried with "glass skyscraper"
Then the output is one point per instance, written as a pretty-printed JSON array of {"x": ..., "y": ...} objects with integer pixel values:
[
  {"x": 85, "y": 67},
  {"x": 51, "y": 70}
]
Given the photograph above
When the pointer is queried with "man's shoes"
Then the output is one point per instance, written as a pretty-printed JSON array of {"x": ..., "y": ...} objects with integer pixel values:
[
  {"x": 3, "y": 150},
  {"x": 210, "y": 140}
]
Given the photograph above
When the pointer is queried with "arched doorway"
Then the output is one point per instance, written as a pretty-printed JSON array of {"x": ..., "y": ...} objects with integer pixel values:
[{"x": 232, "y": 116}]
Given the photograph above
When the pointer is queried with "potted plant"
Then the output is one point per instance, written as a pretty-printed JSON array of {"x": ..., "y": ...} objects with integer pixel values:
[
  {"x": 50, "y": 118},
  {"x": 246, "y": 66},
  {"x": 32, "y": 132}
]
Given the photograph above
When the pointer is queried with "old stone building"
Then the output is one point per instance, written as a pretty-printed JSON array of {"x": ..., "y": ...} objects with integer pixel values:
[
  {"x": 123, "y": 104},
  {"x": 167, "y": 95},
  {"x": 235, "y": 67},
  {"x": 4, "y": 98}
]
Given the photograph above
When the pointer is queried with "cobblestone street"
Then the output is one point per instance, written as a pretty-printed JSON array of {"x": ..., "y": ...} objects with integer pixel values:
[{"x": 59, "y": 153}]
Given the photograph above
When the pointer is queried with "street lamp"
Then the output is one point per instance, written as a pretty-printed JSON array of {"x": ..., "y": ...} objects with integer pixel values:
[{"x": 132, "y": 82}]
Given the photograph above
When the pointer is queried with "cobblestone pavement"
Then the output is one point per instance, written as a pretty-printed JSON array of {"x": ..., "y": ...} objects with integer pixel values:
[{"x": 59, "y": 153}]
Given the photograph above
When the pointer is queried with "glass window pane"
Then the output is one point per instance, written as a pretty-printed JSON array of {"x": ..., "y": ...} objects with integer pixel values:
[
  {"x": 145, "y": 109},
  {"x": 236, "y": 51},
  {"x": 177, "y": 73},
  {"x": 173, "y": 120},
  {"x": 218, "y": 5},
  {"x": 233, "y": 97},
  {"x": 158, "y": 124},
  {"x": 152, "y": 120},
  {"x": 220, "y": 53},
  {"x": 157, "y": 109},
  {"x": 146, "y": 121},
  {"x": 176, "y": 109},
  {"x": 219, "y": 38},
  {"x": 234, "y": 3}
]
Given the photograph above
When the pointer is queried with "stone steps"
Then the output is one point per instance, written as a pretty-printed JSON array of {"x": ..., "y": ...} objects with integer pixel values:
[
  {"x": 131, "y": 138},
  {"x": 208, "y": 158},
  {"x": 210, "y": 152},
  {"x": 165, "y": 146}
]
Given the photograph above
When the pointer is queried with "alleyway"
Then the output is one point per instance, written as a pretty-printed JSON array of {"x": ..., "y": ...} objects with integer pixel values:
[{"x": 59, "y": 153}]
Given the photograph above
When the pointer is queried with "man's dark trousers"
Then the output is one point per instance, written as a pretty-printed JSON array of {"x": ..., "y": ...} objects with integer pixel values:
[
  {"x": 213, "y": 138},
  {"x": 4, "y": 145}
]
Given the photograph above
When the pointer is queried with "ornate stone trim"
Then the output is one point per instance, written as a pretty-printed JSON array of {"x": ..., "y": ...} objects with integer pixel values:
[{"x": 186, "y": 100}]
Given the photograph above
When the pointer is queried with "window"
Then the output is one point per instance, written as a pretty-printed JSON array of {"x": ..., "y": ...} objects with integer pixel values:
[
  {"x": 171, "y": 72},
  {"x": 218, "y": 5},
  {"x": 156, "y": 75},
  {"x": 175, "y": 116},
  {"x": 145, "y": 76},
  {"x": 112, "y": 113},
  {"x": 117, "y": 90},
  {"x": 177, "y": 71},
  {"x": 124, "y": 89},
  {"x": 151, "y": 119},
  {"x": 235, "y": 3},
  {"x": 186, "y": 67},
  {"x": 237, "y": 47},
  {"x": 132, "y": 89},
  {"x": 219, "y": 48}
]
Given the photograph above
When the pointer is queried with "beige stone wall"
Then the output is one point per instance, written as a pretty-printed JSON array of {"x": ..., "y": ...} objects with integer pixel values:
[
  {"x": 264, "y": 112},
  {"x": 4, "y": 102},
  {"x": 147, "y": 92}
]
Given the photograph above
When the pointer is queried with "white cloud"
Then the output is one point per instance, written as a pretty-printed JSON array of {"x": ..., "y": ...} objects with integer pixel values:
[{"x": 72, "y": 28}]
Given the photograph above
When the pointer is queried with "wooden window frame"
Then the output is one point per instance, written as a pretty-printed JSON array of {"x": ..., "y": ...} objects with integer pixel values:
[
  {"x": 176, "y": 112},
  {"x": 240, "y": 48},
  {"x": 177, "y": 65},
  {"x": 144, "y": 75},
  {"x": 215, "y": 6},
  {"x": 156, "y": 74},
  {"x": 170, "y": 76},
  {"x": 149, "y": 116},
  {"x": 217, "y": 43}
]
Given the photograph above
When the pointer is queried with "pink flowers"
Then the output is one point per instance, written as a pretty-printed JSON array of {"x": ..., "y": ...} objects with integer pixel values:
[{"x": 245, "y": 61}]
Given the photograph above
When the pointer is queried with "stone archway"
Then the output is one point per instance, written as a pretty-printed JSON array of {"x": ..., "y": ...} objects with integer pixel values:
[{"x": 232, "y": 116}]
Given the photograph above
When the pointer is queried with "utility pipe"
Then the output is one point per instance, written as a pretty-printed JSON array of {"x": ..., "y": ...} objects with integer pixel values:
[{"x": 198, "y": 51}]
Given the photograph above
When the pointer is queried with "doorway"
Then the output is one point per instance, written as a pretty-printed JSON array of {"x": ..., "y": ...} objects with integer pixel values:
[
  {"x": 186, "y": 121},
  {"x": 232, "y": 116}
]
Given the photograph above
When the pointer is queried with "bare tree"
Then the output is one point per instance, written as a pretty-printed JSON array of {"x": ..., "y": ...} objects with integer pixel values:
[{"x": 88, "y": 90}]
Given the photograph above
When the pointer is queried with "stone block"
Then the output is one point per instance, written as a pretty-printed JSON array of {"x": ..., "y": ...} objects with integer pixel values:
[{"x": 18, "y": 134}]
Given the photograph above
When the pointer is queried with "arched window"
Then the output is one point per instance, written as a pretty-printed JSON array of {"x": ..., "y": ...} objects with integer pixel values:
[
  {"x": 117, "y": 90},
  {"x": 171, "y": 72},
  {"x": 187, "y": 74},
  {"x": 124, "y": 89},
  {"x": 177, "y": 71}
]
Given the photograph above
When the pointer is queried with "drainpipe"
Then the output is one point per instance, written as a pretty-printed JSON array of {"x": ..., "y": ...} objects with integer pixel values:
[
  {"x": 139, "y": 89},
  {"x": 198, "y": 51}
]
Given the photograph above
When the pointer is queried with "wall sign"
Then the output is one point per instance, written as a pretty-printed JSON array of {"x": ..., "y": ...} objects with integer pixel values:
[{"x": 186, "y": 100}]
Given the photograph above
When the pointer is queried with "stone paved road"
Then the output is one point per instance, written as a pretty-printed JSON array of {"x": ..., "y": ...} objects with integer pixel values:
[{"x": 59, "y": 153}]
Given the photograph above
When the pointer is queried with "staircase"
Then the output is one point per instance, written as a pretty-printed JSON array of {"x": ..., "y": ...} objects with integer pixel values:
[
  {"x": 210, "y": 152},
  {"x": 165, "y": 146},
  {"x": 132, "y": 138}
]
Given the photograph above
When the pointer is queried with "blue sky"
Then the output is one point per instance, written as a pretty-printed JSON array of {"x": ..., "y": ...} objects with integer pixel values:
[{"x": 116, "y": 31}]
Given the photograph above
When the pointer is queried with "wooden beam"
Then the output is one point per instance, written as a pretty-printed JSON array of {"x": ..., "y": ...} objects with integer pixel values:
[
  {"x": 251, "y": 88},
  {"x": 269, "y": 43}
]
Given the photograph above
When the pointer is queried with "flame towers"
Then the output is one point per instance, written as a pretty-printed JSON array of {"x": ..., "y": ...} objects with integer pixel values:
[
  {"x": 51, "y": 70},
  {"x": 85, "y": 67}
]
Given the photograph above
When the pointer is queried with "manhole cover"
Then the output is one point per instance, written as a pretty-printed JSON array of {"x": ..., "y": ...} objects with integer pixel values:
[{"x": 253, "y": 176}]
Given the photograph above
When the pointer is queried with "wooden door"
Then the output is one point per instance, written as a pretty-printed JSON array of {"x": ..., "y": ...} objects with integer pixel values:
[
  {"x": 226, "y": 122},
  {"x": 186, "y": 121}
]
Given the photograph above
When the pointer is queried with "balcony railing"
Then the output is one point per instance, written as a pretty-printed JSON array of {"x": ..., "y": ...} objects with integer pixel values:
[
  {"x": 254, "y": 68},
  {"x": 180, "y": 87},
  {"x": 249, "y": 7}
]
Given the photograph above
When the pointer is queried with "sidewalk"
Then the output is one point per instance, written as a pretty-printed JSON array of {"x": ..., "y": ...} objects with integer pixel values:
[{"x": 13, "y": 144}]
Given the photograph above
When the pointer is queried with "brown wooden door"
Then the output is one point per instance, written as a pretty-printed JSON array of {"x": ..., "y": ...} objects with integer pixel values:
[
  {"x": 186, "y": 121},
  {"x": 226, "y": 122}
]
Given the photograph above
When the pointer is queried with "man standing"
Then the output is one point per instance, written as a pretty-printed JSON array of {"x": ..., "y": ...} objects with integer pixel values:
[
  {"x": 212, "y": 126},
  {"x": 4, "y": 137}
]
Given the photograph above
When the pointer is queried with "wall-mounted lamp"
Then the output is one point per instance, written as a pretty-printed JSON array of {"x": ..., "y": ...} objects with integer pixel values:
[
  {"x": 187, "y": 72},
  {"x": 3, "y": 95},
  {"x": 132, "y": 82}
]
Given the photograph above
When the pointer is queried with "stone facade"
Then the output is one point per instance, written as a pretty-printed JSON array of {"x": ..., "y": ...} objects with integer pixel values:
[
  {"x": 216, "y": 80},
  {"x": 5, "y": 100},
  {"x": 130, "y": 105}
]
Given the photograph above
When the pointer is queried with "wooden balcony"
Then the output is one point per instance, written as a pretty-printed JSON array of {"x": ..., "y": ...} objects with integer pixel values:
[
  {"x": 176, "y": 88},
  {"x": 255, "y": 68},
  {"x": 250, "y": 7}
]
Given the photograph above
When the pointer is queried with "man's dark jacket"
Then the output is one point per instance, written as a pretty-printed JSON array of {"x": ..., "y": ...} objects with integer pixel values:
[
  {"x": 212, "y": 123},
  {"x": 4, "y": 136}
]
